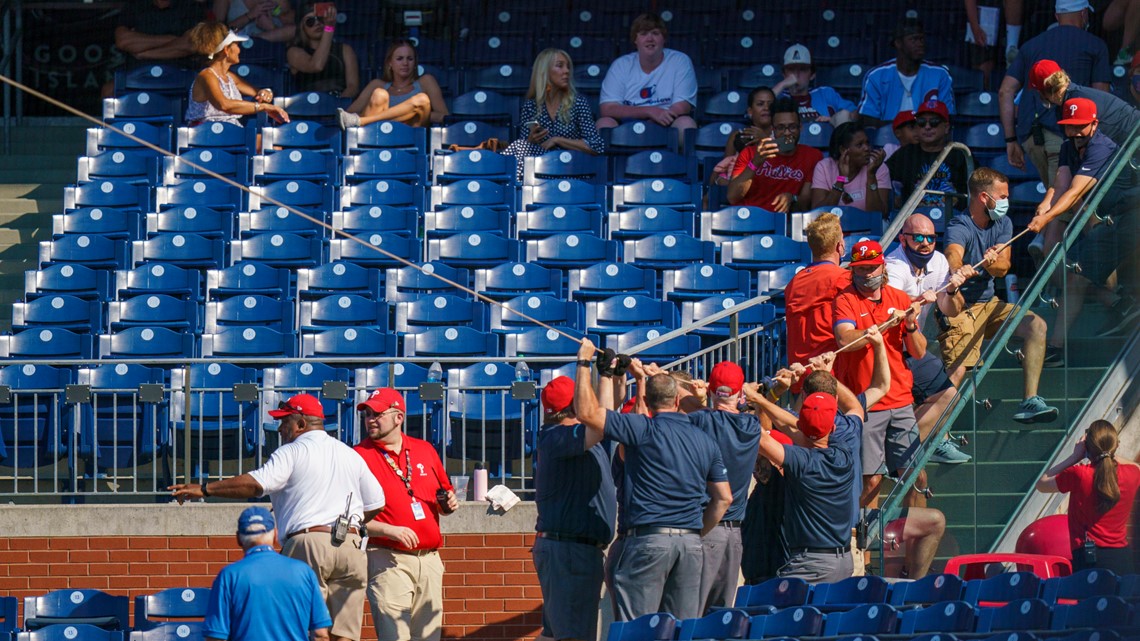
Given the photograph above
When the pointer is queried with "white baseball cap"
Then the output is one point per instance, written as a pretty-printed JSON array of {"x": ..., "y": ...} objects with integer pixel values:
[
  {"x": 797, "y": 54},
  {"x": 1071, "y": 6}
]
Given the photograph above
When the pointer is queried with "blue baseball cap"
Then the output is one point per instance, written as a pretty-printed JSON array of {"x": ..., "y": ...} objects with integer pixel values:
[{"x": 255, "y": 520}]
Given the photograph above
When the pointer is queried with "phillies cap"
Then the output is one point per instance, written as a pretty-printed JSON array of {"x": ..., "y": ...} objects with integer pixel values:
[
  {"x": 817, "y": 416},
  {"x": 558, "y": 395},
  {"x": 1071, "y": 6},
  {"x": 302, "y": 404},
  {"x": 936, "y": 107},
  {"x": 902, "y": 118},
  {"x": 1041, "y": 70},
  {"x": 382, "y": 400},
  {"x": 1078, "y": 111},
  {"x": 797, "y": 54},
  {"x": 726, "y": 379},
  {"x": 255, "y": 520},
  {"x": 867, "y": 252}
]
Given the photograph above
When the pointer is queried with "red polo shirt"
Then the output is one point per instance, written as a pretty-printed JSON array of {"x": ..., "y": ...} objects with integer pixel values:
[
  {"x": 427, "y": 476},
  {"x": 854, "y": 368},
  {"x": 809, "y": 300}
]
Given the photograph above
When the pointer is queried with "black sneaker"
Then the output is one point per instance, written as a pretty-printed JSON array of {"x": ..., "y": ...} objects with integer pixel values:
[
  {"x": 1054, "y": 356},
  {"x": 1121, "y": 317}
]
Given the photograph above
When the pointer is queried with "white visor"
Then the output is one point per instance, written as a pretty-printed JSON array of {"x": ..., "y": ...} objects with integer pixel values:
[{"x": 230, "y": 38}]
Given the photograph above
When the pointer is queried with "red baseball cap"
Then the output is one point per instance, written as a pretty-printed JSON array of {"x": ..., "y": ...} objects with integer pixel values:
[
  {"x": 936, "y": 107},
  {"x": 867, "y": 252},
  {"x": 726, "y": 379},
  {"x": 1041, "y": 70},
  {"x": 301, "y": 404},
  {"x": 817, "y": 416},
  {"x": 781, "y": 438},
  {"x": 558, "y": 395},
  {"x": 1078, "y": 111},
  {"x": 902, "y": 118},
  {"x": 383, "y": 400}
]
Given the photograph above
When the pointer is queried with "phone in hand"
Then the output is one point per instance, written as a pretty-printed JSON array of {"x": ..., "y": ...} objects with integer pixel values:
[
  {"x": 324, "y": 9},
  {"x": 785, "y": 145},
  {"x": 530, "y": 125}
]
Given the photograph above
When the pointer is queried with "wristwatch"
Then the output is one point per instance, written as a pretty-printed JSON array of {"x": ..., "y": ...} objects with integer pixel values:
[{"x": 840, "y": 181}]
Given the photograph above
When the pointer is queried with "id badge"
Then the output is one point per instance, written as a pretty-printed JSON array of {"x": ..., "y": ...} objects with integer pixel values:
[{"x": 418, "y": 510}]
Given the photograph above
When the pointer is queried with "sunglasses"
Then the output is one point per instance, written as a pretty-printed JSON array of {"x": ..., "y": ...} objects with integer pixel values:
[
  {"x": 928, "y": 122},
  {"x": 865, "y": 253},
  {"x": 312, "y": 21},
  {"x": 922, "y": 238}
]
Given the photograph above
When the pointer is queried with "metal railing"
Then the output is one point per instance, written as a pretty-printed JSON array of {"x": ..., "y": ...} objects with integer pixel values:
[{"x": 912, "y": 202}]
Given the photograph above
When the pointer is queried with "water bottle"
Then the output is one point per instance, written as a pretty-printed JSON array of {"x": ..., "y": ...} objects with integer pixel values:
[
  {"x": 435, "y": 373},
  {"x": 1012, "y": 293},
  {"x": 522, "y": 371},
  {"x": 480, "y": 493}
]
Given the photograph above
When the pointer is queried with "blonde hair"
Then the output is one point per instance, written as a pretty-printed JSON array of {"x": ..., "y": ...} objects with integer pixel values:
[
  {"x": 540, "y": 81},
  {"x": 823, "y": 234},
  {"x": 1100, "y": 448},
  {"x": 386, "y": 73},
  {"x": 206, "y": 36},
  {"x": 1056, "y": 85}
]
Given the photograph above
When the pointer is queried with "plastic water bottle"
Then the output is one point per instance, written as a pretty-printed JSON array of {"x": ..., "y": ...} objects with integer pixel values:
[
  {"x": 522, "y": 371},
  {"x": 1012, "y": 293},
  {"x": 435, "y": 373},
  {"x": 480, "y": 492}
]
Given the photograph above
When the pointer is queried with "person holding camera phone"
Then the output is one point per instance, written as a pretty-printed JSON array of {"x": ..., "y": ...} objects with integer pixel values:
[
  {"x": 318, "y": 61},
  {"x": 775, "y": 173},
  {"x": 405, "y": 573}
]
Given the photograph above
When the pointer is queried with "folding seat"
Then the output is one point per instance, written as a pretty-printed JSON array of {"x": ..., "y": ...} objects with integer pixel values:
[
  {"x": 477, "y": 164},
  {"x": 171, "y": 631},
  {"x": 473, "y": 250},
  {"x": 965, "y": 81},
  {"x": 339, "y": 278},
  {"x": 1104, "y": 612},
  {"x": 120, "y": 194},
  {"x": 191, "y": 219},
  {"x": 482, "y": 106},
  {"x": 932, "y": 588},
  {"x": 155, "y": 310},
  {"x": 248, "y": 277},
  {"x": 571, "y": 250},
  {"x": 854, "y": 221},
  {"x": 604, "y": 280},
  {"x": 142, "y": 106},
  {"x": 218, "y": 161},
  {"x": 816, "y": 134},
  {"x": 742, "y": 50},
  {"x": 393, "y": 193},
  {"x": 943, "y": 616},
  {"x": 564, "y": 163},
  {"x": 456, "y": 219},
  {"x": 294, "y": 164},
  {"x": 69, "y": 632},
  {"x": 763, "y": 252},
  {"x": 726, "y": 105},
  {"x": 621, "y": 313},
  {"x": 847, "y": 79},
  {"x": 1079, "y": 585},
  {"x": 632, "y": 137},
  {"x": 359, "y": 342},
  {"x": 1002, "y": 588},
  {"x": 510, "y": 279},
  {"x": 117, "y": 164},
  {"x": 73, "y": 606},
  {"x": 977, "y": 107},
  {"x": 158, "y": 278},
  {"x": 262, "y": 75},
  {"x": 1027, "y": 193},
  {"x": 799, "y": 621},
  {"x": 753, "y": 317},
  {"x": 450, "y": 342},
  {"x": 222, "y": 428},
  {"x": 566, "y": 192},
  {"x": 93, "y": 251},
  {"x": 303, "y": 221},
  {"x": 846, "y": 594},
  {"x": 386, "y": 135},
  {"x": 484, "y": 421},
  {"x": 35, "y": 425},
  {"x": 121, "y": 427},
  {"x": 984, "y": 137},
  {"x": 658, "y": 191},
  {"x": 869, "y": 618},
  {"x": 103, "y": 139},
  {"x": 238, "y": 342},
  {"x": 257, "y": 51},
  {"x": 476, "y": 193},
  {"x": 302, "y": 134},
  {"x": 722, "y": 624},
  {"x": 771, "y": 596},
  {"x": 420, "y": 416},
  {"x": 761, "y": 75},
  {"x": 648, "y": 627},
  {"x": 394, "y": 164},
  {"x": 278, "y": 250},
  {"x": 363, "y": 219},
  {"x": 710, "y": 140},
  {"x": 668, "y": 251},
  {"x": 437, "y": 310},
  {"x": 655, "y": 164},
  {"x": 541, "y": 341},
  {"x": 696, "y": 282},
  {"x": 73, "y": 280},
  {"x": 185, "y": 250},
  {"x": 404, "y": 284},
  {"x": 209, "y": 192},
  {"x": 488, "y": 50},
  {"x": 543, "y": 308},
  {"x": 467, "y": 134},
  {"x": 1016, "y": 176},
  {"x": 249, "y": 310},
  {"x": 671, "y": 350},
  {"x": 591, "y": 55},
  {"x": 147, "y": 342},
  {"x": 1016, "y": 615},
  {"x": 168, "y": 80},
  {"x": 296, "y": 194},
  {"x": 222, "y": 136},
  {"x": 506, "y": 79},
  {"x": 638, "y": 222},
  {"x": 394, "y": 250},
  {"x": 317, "y": 379},
  {"x": 311, "y": 105},
  {"x": 107, "y": 222},
  {"x": 342, "y": 310},
  {"x": 733, "y": 223}
]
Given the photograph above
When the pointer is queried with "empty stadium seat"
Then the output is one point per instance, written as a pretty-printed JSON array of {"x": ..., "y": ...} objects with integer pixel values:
[
  {"x": 570, "y": 250},
  {"x": 142, "y": 106},
  {"x": 386, "y": 135},
  {"x": 482, "y": 420},
  {"x": 302, "y": 221},
  {"x": 1079, "y": 585},
  {"x": 185, "y": 250},
  {"x": 722, "y": 624},
  {"x": 437, "y": 310},
  {"x": 254, "y": 342},
  {"x": 467, "y": 134},
  {"x": 473, "y": 164},
  {"x": 169, "y": 80},
  {"x": 1016, "y": 615},
  {"x": 772, "y": 595},
  {"x": 1002, "y": 588},
  {"x": 344, "y": 342},
  {"x": 943, "y": 616},
  {"x": 396, "y": 164},
  {"x": 655, "y": 164},
  {"x": 932, "y": 588},
  {"x": 216, "y": 135},
  {"x": 631, "y": 137},
  {"x": 171, "y": 603},
  {"x": 869, "y": 618},
  {"x": 638, "y": 222},
  {"x": 342, "y": 310},
  {"x": 755, "y": 316},
  {"x": 542, "y": 341},
  {"x": 311, "y": 105},
  {"x": 732, "y": 223},
  {"x": 763, "y": 252},
  {"x": 153, "y": 310},
  {"x": 382, "y": 191},
  {"x": 666, "y": 192},
  {"x": 191, "y": 219},
  {"x": 293, "y": 164},
  {"x": 414, "y": 282},
  {"x": 115, "y": 193},
  {"x": 35, "y": 426},
  {"x": 668, "y": 251},
  {"x": 278, "y": 250},
  {"x": 563, "y": 191},
  {"x": 511, "y": 279},
  {"x": 339, "y": 277},
  {"x": 473, "y": 250},
  {"x": 473, "y": 192},
  {"x": 73, "y": 280},
  {"x": 799, "y": 621},
  {"x": 121, "y": 430},
  {"x": 648, "y": 627},
  {"x": 46, "y": 343},
  {"x": 483, "y": 106},
  {"x": 147, "y": 342},
  {"x": 59, "y": 311},
  {"x": 245, "y": 310},
  {"x": 542, "y": 308},
  {"x": 564, "y": 163},
  {"x": 624, "y": 312},
  {"x": 117, "y": 164},
  {"x": 316, "y": 379},
  {"x": 102, "y": 138},
  {"x": 222, "y": 428},
  {"x": 455, "y": 342},
  {"x": 158, "y": 278},
  {"x": 845, "y": 594},
  {"x": 604, "y": 280},
  {"x": 69, "y": 632},
  {"x": 302, "y": 135}
]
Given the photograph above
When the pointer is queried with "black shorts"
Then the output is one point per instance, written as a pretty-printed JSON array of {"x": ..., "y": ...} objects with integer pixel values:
[{"x": 929, "y": 376}]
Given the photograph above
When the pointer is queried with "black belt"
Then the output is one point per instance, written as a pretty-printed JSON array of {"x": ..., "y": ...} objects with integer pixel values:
[
  {"x": 395, "y": 551},
  {"x": 652, "y": 529},
  {"x": 320, "y": 528},
  {"x": 584, "y": 540},
  {"x": 837, "y": 550},
  {"x": 731, "y": 523}
]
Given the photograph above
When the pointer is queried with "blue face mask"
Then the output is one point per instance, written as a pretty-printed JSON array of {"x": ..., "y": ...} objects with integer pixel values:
[
  {"x": 999, "y": 209},
  {"x": 915, "y": 257}
]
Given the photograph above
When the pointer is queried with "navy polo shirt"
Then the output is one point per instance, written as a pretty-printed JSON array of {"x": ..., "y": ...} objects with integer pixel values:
[
  {"x": 1116, "y": 118},
  {"x": 819, "y": 487},
  {"x": 962, "y": 230},
  {"x": 574, "y": 488},
  {"x": 738, "y": 436},
  {"x": 668, "y": 465}
]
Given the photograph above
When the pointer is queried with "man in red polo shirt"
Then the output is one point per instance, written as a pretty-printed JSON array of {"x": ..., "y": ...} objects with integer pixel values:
[
  {"x": 405, "y": 573},
  {"x": 810, "y": 295}
]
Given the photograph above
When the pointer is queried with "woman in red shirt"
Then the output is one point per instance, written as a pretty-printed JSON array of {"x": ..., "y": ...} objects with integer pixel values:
[{"x": 1101, "y": 494}]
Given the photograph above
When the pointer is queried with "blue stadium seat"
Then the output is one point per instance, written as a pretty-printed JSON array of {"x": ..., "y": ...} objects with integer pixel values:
[
  {"x": 1030, "y": 193},
  {"x": 833, "y": 48},
  {"x": 668, "y": 251},
  {"x": 35, "y": 427},
  {"x": 763, "y": 252},
  {"x": 984, "y": 138},
  {"x": 209, "y": 192},
  {"x": 699, "y": 281},
  {"x": 386, "y": 135},
  {"x": 482, "y": 106},
  {"x": 816, "y": 134},
  {"x": 217, "y": 135},
  {"x": 932, "y": 588},
  {"x": 869, "y": 618},
  {"x": 631, "y": 137},
  {"x": 512, "y": 279},
  {"x": 845, "y": 594},
  {"x": 543, "y": 308},
  {"x": 158, "y": 278},
  {"x": 604, "y": 280},
  {"x": 364, "y": 219},
  {"x": 981, "y": 106},
  {"x": 733, "y": 223},
  {"x": 175, "y": 169},
  {"x": 489, "y": 50},
  {"x": 394, "y": 164},
  {"x": 655, "y": 164},
  {"x": 8, "y": 606},
  {"x": 563, "y": 191},
  {"x": 118, "y": 428},
  {"x": 591, "y": 55},
  {"x": 147, "y": 342},
  {"x": 648, "y": 627},
  {"x": 342, "y": 310},
  {"x": 249, "y": 310},
  {"x": 279, "y": 219},
  {"x": 405, "y": 378},
  {"x": 362, "y": 342},
  {"x": 142, "y": 106},
  {"x": 339, "y": 277},
  {"x": 257, "y": 51},
  {"x": 382, "y": 192},
  {"x": 1015, "y": 175},
  {"x": 117, "y": 164},
  {"x": 451, "y": 342},
  {"x": 405, "y": 284},
  {"x": 471, "y": 164},
  {"x": 487, "y": 423},
  {"x": 473, "y": 250},
  {"x": 965, "y": 81},
  {"x": 72, "y": 280},
  {"x": 761, "y": 75},
  {"x": 722, "y": 624},
  {"x": 397, "y": 250},
  {"x": 638, "y": 222},
  {"x": 846, "y": 79},
  {"x": 1106, "y": 612},
  {"x": 1080, "y": 585},
  {"x": 262, "y": 75},
  {"x": 437, "y": 310},
  {"x": 278, "y": 250},
  {"x": 155, "y": 310},
  {"x": 1002, "y": 588},
  {"x": 742, "y": 50},
  {"x": 293, "y": 164},
  {"x": 506, "y": 79},
  {"x": 280, "y": 383},
  {"x": 658, "y": 191},
  {"x": 798, "y": 621},
  {"x": 751, "y": 318},
  {"x": 302, "y": 134},
  {"x": 467, "y": 134},
  {"x": 711, "y": 139},
  {"x": 169, "y": 80},
  {"x": 221, "y": 429},
  {"x": 69, "y": 632},
  {"x": 540, "y": 341},
  {"x": 311, "y": 105},
  {"x": 726, "y": 105},
  {"x": 571, "y": 250},
  {"x": 456, "y": 219},
  {"x": 60, "y": 311},
  {"x": 190, "y": 219},
  {"x": 185, "y": 250},
  {"x": 171, "y": 631},
  {"x": 474, "y": 192},
  {"x": 93, "y": 251},
  {"x": 943, "y": 616},
  {"x": 119, "y": 194},
  {"x": 297, "y": 194},
  {"x": 621, "y": 313},
  {"x": 236, "y": 342},
  {"x": 46, "y": 343},
  {"x": 772, "y": 595},
  {"x": 564, "y": 163},
  {"x": 854, "y": 221},
  {"x": 102, "y": 138},
  {"x": 1016, "y": 615}
]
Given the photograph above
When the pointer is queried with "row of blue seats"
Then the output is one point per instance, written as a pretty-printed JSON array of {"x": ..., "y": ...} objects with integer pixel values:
[{"x": 100, "y": 610}]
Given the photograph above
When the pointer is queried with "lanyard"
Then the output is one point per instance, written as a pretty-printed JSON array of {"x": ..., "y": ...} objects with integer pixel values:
[{"x": 405, "y": 477}]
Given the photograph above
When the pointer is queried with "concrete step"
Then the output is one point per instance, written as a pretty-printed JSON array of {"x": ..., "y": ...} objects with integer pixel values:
[
  {"x": 46, "y": 205},
  {"x": 987, "y": 507},
  {"x": 988, "y": 476},
  {"x": 1035, "y": 444}
]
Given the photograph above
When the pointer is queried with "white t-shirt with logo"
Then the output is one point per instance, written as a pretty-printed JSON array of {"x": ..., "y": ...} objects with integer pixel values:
[{"x": 673, "y": 81}]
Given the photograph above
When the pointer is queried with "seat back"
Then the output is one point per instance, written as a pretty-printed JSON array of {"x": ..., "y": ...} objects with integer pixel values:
[
  {"x": 171, "y": 603},
  {"x": 74, "y": 607}
]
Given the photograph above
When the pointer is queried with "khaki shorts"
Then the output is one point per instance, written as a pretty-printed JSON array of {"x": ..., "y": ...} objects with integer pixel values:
[
  {"x": 962, "y": 343},
  {"x": 406, "y": 594},
  {"x": 1045, "y": 158},
  {"x": 342, "y": 573}
]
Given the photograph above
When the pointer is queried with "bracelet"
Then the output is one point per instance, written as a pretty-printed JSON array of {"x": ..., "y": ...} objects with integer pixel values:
[
  {"x": 329, "y": 28},
  {"x": 837, "y": 187},
  {"x": 585, "y": 363},
  {"x": 205, "y": 492},
  {"x": 951, "y": 293},
  {"x": 752, "y": 167},
  {"x": 1009, "y": 139},
  {"x": 911, "y": 329}
]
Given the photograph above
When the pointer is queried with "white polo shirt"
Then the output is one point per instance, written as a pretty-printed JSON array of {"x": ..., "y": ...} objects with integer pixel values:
[
  {"x": 900, "y": 275},
  {"x": 309, "y": 480}
]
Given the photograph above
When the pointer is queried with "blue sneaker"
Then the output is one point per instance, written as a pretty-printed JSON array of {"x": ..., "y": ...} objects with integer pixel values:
[
  {"x": 1034, "y": 410},
  {"x": 948, "y": 452}
]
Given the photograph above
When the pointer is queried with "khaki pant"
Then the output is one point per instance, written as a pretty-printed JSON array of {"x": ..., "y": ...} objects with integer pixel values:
[
  {"x": 962, "y": 343},
  {"x": 342, "y": 572},
  {"x": 1044, "y": 157},
  {"x": 405, "y": 591}
]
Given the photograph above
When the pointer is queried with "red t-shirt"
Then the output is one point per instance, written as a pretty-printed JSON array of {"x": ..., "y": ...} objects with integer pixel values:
[
  {"x": 777, "y": 175},
  {"x": 854, "y": 368},
  {"x": 1108, "y": 529},
  {"x": 427, "y": 476},
  {"x": 809, "y": 300}
]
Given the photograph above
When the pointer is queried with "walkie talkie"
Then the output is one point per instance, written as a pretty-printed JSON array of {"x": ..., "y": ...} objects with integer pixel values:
[{"x": 342, "y": 523}]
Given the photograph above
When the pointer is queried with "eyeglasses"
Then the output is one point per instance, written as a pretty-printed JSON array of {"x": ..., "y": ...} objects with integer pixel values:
[
  {"x": 922, "y": 238},
  {"x": 785, "y": 129},
  {"x": 312, "y": 21},
  {"x": 928, "y": 122}
]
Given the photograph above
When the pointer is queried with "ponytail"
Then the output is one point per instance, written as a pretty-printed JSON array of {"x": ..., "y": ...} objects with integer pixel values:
[{"x": 1100, "y": 445}]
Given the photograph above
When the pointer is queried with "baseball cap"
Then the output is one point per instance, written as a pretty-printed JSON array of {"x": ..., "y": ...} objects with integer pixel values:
[
  {"x": 902, "y": 118},
  {"x": 867, "y": 252},
  {"x": 932, "y": 106},
  {"x": 302, "y": 404},
  {"x": 1041, "y": 70},
  {"x": 1071, "y": 6},
  {"x": 255, "y": 520},
  {"x": 558, "y": 395},
  {"x": 797, "y": 54},
  {"x": 781, "y": 438},
  {"x": 382, "y": 400},
  {"x": 817, "y": 415},
  {"x": 726, "y": 379},
  {"x": 1078, "y": 111}
]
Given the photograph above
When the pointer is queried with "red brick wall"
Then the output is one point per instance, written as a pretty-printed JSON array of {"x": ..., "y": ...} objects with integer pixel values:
[{"x": 490, "y": 588}]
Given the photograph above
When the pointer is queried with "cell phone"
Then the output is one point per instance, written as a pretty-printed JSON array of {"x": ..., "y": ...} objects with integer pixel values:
[
  {"x": 324, "y": 9},
  {"x": 530, "y": 124},
  {"x": 785, "y": 145}
]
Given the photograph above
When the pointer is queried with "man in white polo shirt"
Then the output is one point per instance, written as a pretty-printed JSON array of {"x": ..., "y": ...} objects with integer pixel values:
[{"x": 312, "y": 480}]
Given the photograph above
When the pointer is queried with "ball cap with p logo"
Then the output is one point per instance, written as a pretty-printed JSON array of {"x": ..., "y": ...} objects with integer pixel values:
[
  {"x": 867, "y": 252},
  {"x": 383, "y": 400},
  {"x": 1078, "y": 111}
]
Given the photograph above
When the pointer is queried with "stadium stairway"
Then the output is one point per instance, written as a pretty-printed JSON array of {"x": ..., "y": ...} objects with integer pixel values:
[{"x": 40, "y": 163}]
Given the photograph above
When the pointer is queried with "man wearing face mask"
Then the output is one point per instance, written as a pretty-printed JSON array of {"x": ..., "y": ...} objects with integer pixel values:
[
  {"x": 974, "y": 313},
  {"x": 1085, "y": 158}
]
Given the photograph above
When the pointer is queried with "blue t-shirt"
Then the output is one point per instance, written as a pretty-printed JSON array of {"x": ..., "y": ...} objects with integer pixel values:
[
  {"x": 574, "y": 489},
  {"x": 1081, "y": 54},
  {"x": 668, "y": 466},
  {"x": 819, "y": 486},
  {"x": 265, "y": 597},
  {"x": 1116, "y": 118},
  {"x": 962, "y": 230},
  {"x": 883, "y": 91},
  {"x": 738, "y": 436},
  {"x": 821, "y": 101}
]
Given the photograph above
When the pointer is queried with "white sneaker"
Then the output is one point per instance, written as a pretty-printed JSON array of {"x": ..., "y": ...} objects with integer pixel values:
[{"x": 347, "y": 119}]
